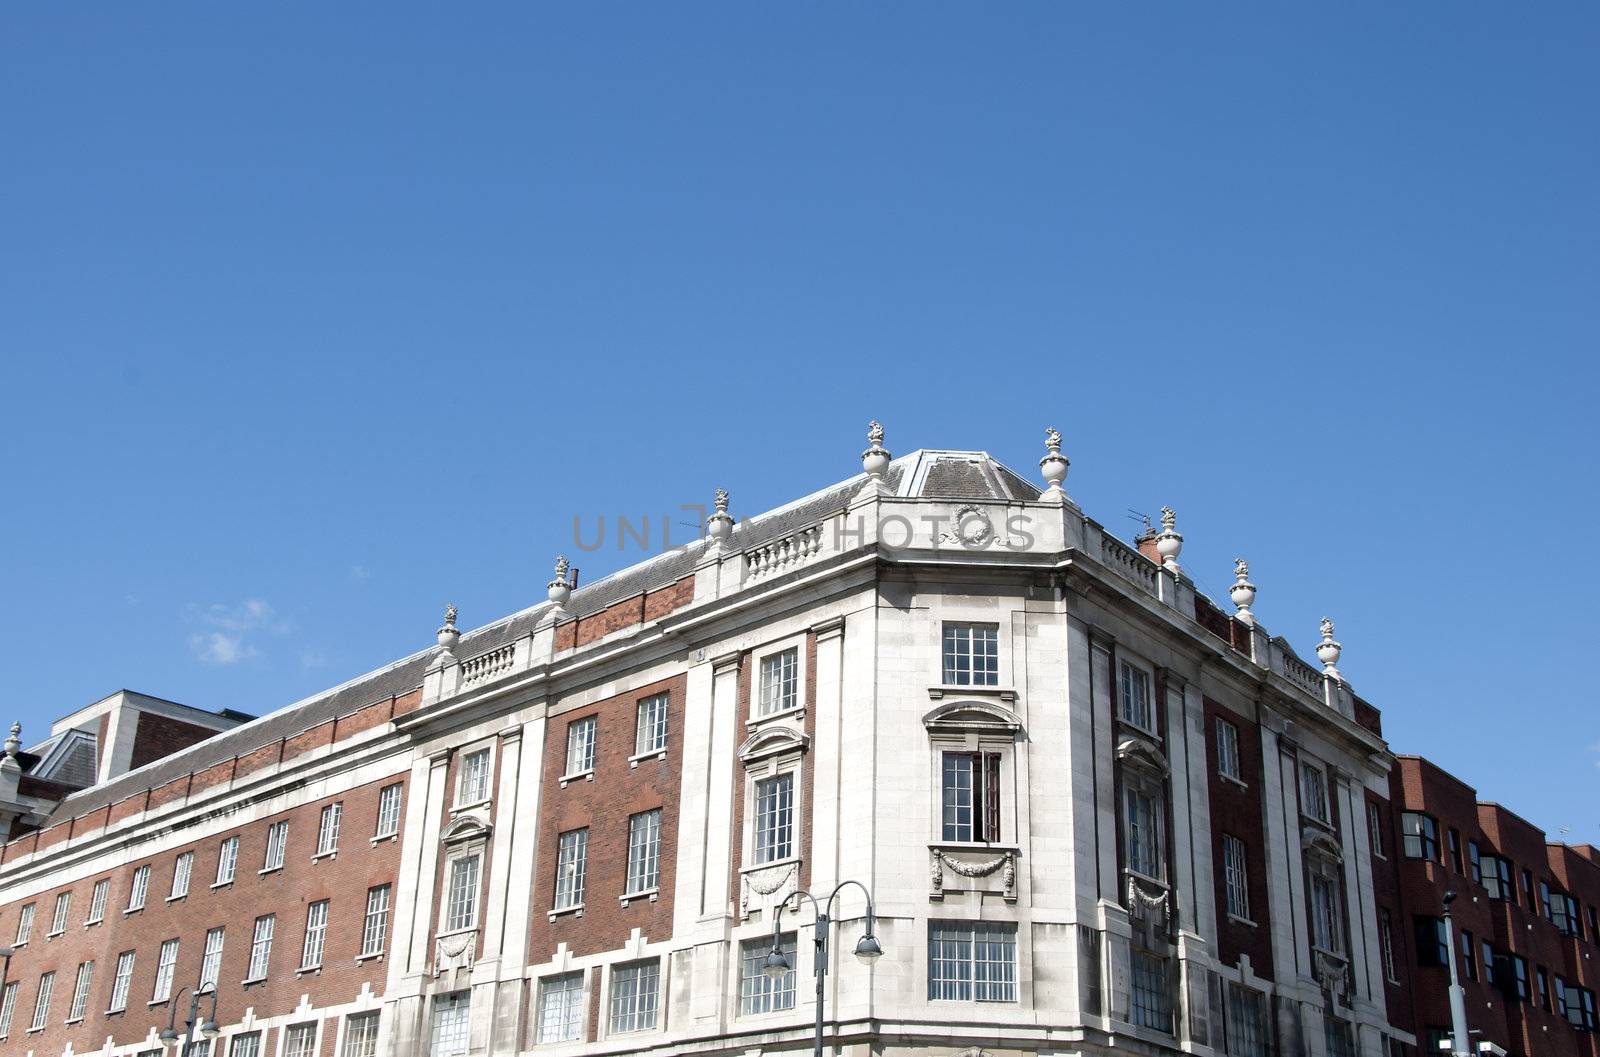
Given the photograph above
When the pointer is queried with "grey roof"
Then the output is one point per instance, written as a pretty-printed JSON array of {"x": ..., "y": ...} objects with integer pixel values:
[{"x": 946, "y": 474}]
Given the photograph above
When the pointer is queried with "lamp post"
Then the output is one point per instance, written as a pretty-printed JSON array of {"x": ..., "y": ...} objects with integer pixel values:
[
  {"x": 208, "y": 1027},
  {"x": 1458, "y": 996},
  {"x": 776, "y": 965},
  {"x": 5, "y": 968}
]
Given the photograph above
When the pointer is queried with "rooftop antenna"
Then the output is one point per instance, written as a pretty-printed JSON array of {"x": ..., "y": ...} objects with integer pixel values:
[{"x": 1142, "y": 518}]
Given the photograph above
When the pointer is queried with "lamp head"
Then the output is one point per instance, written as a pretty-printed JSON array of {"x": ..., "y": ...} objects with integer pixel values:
[
  {"x": 776, "y": 966},
  {"x": 1449, "y": 896},
  {"x": 7, "y": 952},
  {"x": 167, "y": 1035},
  {"x": 868, "y": 947},
  {"x": 209, "y": 1029}
]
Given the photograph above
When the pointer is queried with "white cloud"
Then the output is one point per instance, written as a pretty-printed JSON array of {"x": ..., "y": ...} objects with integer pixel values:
[
  {"x": 360, "y": 574},
  {"x": 227, "y": 630},
  {"x": 218, "y": 648}
]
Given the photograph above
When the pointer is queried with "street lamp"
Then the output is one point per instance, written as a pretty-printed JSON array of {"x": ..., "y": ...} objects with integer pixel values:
[
  {"x": 208, "y": 1027},
  {"x": 5, "y": 968},
  {"x": 1458, "y": 995},
  {"x": 776, "y": 965}
]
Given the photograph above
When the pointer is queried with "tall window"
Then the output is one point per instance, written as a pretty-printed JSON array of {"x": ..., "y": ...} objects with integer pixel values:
[
  {"x": 182, "y": 868},
  {"x": 1453, "y": 843},
  {"x": 1133, "y": 696},
  {"x": 261, "y": 946},
  {"x": 1228, "y": 750},
  {"x": 780, "y": 682},
  {"x": 644, "y": 851},
  {"x": 166, "y": 962},
  {"x": 80, "y": 992},
  {"x": 560, "y": 1008},
  {"x": 1433, "y": 950},
  {"x": 1326, "y": 921},
  {"x": 277, "y": 844},
  {"x": 1337, "y": 1040},
  {"x": 461, "y": 905},
  {"x": 227, "y": 860},
  {"x": 1246, "y": 1015},
  {"x": 211, "y": 962},
  {"x": 1375, "y": 829},
  {"x": 572, "y": 866},
  {"x": 651, "y": 731},
  {"x": 24, "y": 925},
  {"x": 376, "y": 924},
  {"x": 1475, "y": 861},
  {"x": 580, "y": 745},
  {"x": 972, "y": 796},
  {"x": 758, "y": 992},
  {"x": 58, "y": 920},
  {"x": 300, "y": 1041},
  {"x": 448, "y": 1037},
  {"x": 972, "y": 961},
  {"x": 8, "y": 1007},
  {"x": 246, "y": 1045},
  {"x": 971, "y": 654},
  {"x": 1143, "y": 817},
  {"x": 140, "y": 889},
  {"x": 1386, "y": 942},
  {"x": 1236, "y": 880},
  {"x": 121, "y": 982},
  {"x": 1313, "y": 792},
  {"x": 97, "y": 901},
  {"x": 41, "y": 1001},
  {"x": 472, "y": 785},
  {"x": 388, "y": 811},
  {"x": 1419, "y": 836},
  {"x": 361, "y": 1035},
  {"x": 1152, "y": 992},
  {"x": 316, "y": 934},
  {"x": 328, "y": 828},
  {"x": 635, "y": 989},
  {"x": 1469, "y": 961},
  {"x": 775, "y": 818}
]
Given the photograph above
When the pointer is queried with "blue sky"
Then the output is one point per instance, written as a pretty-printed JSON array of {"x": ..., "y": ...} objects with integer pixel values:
[{"x": 315, "y": 319}]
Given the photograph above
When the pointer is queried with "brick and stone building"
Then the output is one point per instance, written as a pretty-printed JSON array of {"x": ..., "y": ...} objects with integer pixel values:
[{"x": 1097, "y": 812}]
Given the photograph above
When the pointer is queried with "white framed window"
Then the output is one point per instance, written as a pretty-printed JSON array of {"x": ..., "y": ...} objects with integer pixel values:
[
  {"x": 1144, "y": 817},
  {"x": 971, "y": 796},
  {"x": 448, "y": 1033},
  {"x": 780, "y": 682},
  {"x": 1133, "y": 696},
  {"x": 1386, "y": 945},
  {"x": 58, "y": 920},
  {"x": 261, "y": 946},
  {"x": 277, "y": 845},
  {"x": 1326, "y": 919},
  {"x": 80, "y": 992},
  {"x": 41, "y": 1001},
  {"x": 166, "y": 962},
  {"x": 972, "y": 961},
  {"x": 970, "y": 654},
  {"x": 375, "y": 926},
  {"x": 1228, "y": 751},
  {"x": 227, "y": 860},
  {"x": 472, "y": 785},
  {"x": 1151, "y": 992},
  {"x": 1313, "y": 792},
  {"x": 560, "y": 1008},
  {"x": 774, "y": 819},
  {"x": 388, "y": 810},
  {"x": 461, "y": 904},
  {"x": 572, "y": 863},
  {"x": 328, "y": 828},
  {"x": 121, "y": 982},
  {"x": 182, "y": 868},
  {"x": 300, "y": 1040},
  {"x": 8, "y": 1007},
  {"x": 246, "y": 1045},
  {"x": 1236, "y": 877},
  {"x": 1375, "y": 829},
  {"x": 316, "y": 935},
  {"x": 361, "y": 1035},
  {"x": 140, "y": 889},
  {"x": 24, "y": 925},
  {"x": 1419, "y": 837},
  {"x": 211, "y": 960},
  {"x": 1246, "y": 1016},
  {"x": 97, "y": 901},
  {"x": 580, "y": 745},
  {"x": 635, "y": 991},
  {"x": 651, "y": 729},
  {"x": 758, "y": 992},
  {"x": 197, "y": 1048},
  {"x": 644, "y": 851}
]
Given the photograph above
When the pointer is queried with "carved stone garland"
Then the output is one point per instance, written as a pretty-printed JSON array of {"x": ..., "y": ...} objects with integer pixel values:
[
  {"x": 752, "y": 885},
  {"x": 1006, "y": 863},
  {"x": 1137, "y": 896},
  {"x": 455, "y": 952}
]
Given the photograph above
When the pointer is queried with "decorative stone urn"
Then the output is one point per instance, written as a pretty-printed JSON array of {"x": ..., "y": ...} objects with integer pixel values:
[
  {"x": 719, "y": 526},
  {"x": 1243, "y": 592},
  {"x": 875, "y": 460},
  {"x": 1169, "y": 543},
  {"x": 1053, "y": 467},
  {"x": 560, "y": 591},
  {"x": 447, "y": 635},
  {"x": 1328, "y": 650}
]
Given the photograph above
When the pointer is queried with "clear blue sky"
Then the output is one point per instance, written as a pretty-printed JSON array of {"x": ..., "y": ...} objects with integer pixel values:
[{"x": 315, "y": 318}]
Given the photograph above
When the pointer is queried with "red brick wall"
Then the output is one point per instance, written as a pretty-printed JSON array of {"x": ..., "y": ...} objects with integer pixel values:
[
  {"x": 604, "y": 806},
  {"x": 651, "y": 605},
  {"x": 156, "y": 737},
  {"x": 1237, "y": 811}
]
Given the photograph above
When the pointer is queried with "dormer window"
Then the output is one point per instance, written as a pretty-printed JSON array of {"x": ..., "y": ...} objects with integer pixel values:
[{"x": 971, "y": 654}]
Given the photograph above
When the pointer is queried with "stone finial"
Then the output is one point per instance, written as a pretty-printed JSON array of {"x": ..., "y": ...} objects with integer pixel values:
[
  {"x": 875, "y": 460},
  {"x": 1053, "y": 466},
  {"x": 1328, "y": 650},
  {"x": 1243, "y": 592},
  {"x": 719, "y": 526},
  {"x": 1169, "y": 542},
  {"x": 447, "y": 634},
  {"x": 14, "y": 742},
  {"x": 560, "y": 591}
]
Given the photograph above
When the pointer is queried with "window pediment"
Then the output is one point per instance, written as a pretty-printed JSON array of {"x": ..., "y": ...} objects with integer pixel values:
[
  {"x": 1141, "y": 750},
  {"x": 463, "y": 829},
  {"x": 972, "y": 717},
  {"x": 772, "y": 741},
  {"x": 1318, "y": 840}
]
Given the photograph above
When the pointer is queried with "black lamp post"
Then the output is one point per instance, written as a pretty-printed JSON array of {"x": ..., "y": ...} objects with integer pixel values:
[
  {"x": 208, "y": 1027},
  {"x": 777, "y": 965}
]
